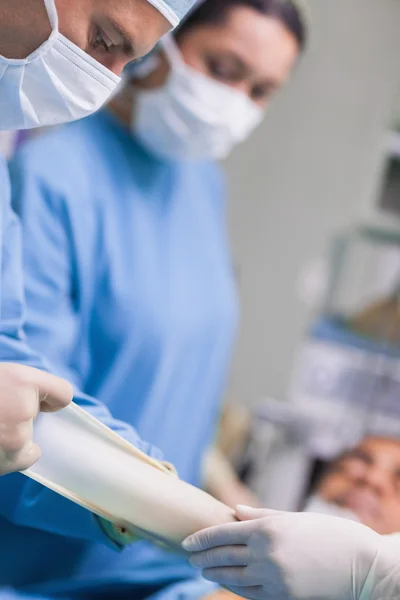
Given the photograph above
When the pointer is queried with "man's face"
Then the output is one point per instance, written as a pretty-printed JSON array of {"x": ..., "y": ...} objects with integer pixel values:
[
  {"x": 366, "y": 481},
  {"x": 114, "y": 32}
]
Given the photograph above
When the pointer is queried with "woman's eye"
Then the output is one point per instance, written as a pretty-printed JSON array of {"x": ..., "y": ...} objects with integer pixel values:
[{"x": 219, "y": 70}]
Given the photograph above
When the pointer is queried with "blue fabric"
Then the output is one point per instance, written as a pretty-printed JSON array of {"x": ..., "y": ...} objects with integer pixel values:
[
  {"x": 131, "y": 292},
  {"x": 337, "y": 331},
  {"x": 22, "y": 501},
  {"x": 192, "y": 589},
  {"x": 10, "y": 594}
]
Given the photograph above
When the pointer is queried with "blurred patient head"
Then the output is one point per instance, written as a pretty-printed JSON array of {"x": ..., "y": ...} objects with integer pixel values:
[
  {"x": 366, "y": 481},
  {"x": 206, "y": 87}
]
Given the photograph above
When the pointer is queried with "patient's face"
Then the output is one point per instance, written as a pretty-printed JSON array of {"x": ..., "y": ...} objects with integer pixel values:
[{"x": 366, "y": 481}]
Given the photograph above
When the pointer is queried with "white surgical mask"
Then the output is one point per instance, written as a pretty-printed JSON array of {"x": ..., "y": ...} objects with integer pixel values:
[
  {"x": 316, "y": 504},
  {"x": 57, "y": 83},
  {"x": 192, "y": 116}
]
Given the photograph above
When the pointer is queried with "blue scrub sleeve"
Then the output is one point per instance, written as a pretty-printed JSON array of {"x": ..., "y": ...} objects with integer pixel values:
[{"x": 23, "y": 501}]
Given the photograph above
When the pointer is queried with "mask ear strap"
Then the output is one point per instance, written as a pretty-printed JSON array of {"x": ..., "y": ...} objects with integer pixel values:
[
  {"x": 52, "y": 13},
  {"x": 172, "y": 52}
]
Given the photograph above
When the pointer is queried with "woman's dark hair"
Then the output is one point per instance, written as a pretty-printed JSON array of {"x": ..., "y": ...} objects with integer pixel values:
[{"x": 214, "y": 12}]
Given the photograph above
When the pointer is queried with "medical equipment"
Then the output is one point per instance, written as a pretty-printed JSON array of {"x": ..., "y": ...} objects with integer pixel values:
[
  {"x": 277, "y": 463},
  {"x": 91, "y": 465},
  {"x": 343, "y": 388},
  {"x": 346, "y": 379},
  {"x": 381, "y": 210},
  {"x": 381, "y": 320},
  {"x": 349, "y": 365}
]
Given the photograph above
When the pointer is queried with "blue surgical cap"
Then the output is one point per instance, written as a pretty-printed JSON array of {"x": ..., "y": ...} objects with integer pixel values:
[{"x": 173, "y": 10}]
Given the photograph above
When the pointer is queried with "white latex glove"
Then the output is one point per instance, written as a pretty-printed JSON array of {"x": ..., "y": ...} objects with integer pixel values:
[
  {"x": 298, "y": 556},
  {"x": 24, "y": 392}
]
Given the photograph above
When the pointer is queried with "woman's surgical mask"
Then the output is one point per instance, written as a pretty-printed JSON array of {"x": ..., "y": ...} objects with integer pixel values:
[
  {"x": 192, "y": 116},
  {"x": 57, "y": 83},
  {"x": 316, "y": 504}
]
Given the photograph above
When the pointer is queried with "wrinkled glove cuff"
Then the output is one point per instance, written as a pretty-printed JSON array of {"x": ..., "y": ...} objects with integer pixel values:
[{"x": 383, "y": 580}]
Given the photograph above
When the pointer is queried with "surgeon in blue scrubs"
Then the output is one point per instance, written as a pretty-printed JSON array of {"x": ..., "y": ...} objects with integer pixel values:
[
  {"x": 59, "y": 61},
  {"x": 129, "y": 278}
]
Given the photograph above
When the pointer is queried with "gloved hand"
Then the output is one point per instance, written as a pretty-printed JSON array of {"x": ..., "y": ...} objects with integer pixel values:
[
  {"x": 24, "y": 392},
  {"x": 274, "y": 555}
]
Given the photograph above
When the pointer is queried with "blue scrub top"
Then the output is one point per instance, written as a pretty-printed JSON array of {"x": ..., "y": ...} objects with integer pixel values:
[
  {"x": 22, "y": 501},
  {"x": 131, "y": 292}
]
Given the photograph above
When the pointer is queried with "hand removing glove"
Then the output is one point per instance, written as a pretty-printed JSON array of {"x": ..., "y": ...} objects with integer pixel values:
[{"x": 24, "y": 392}]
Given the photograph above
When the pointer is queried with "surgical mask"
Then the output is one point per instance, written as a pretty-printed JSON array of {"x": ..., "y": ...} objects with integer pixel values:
[
  {"x": 57, "y": 83},
  {"x": 192, "y": 116},
  {"x": 316, "y": 504}
]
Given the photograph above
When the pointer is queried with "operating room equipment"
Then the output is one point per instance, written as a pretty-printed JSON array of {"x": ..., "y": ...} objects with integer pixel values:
[
  {"x": 91, "y": 465},
  {"x": 345, "y": 382}
]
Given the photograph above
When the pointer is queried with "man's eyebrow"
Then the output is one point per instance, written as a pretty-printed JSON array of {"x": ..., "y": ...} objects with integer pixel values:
[{"x": 128, "y": 43}]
